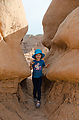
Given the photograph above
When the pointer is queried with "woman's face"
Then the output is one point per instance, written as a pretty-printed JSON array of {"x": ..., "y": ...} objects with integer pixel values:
[{"x": 38, "y": 56}]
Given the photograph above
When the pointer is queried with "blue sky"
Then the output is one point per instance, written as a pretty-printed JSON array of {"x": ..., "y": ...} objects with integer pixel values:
[{"x": 35, "y": 10}]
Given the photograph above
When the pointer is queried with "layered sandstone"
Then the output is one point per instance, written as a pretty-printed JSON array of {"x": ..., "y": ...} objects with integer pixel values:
[{"x": 13, "y": 26}]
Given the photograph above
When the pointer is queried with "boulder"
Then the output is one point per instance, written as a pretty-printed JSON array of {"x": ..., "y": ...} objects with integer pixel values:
[
  {"x": 56, "y": 13},
  {"x": 65, "y": 60},
  {"x": 13, "y": 27}
]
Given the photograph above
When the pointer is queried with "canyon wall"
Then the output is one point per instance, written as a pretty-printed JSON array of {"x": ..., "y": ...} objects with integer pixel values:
[
  {"x": 61, "y": 27},
  {"x": 13, "y": 27},
  {"x": 56, "y": 13}
]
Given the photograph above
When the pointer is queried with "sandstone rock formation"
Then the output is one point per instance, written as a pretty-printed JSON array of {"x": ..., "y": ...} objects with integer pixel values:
[
  {"x": 56, "y": 13},
  {"x": 13, "y": 26},
  {"x": 62, "y": 101},
  {"x": 20, "y": 106},
  {"x": 65, "y": 61},
  {"x": 15, "y": 103},
  {"x": 32, "y": 42}
]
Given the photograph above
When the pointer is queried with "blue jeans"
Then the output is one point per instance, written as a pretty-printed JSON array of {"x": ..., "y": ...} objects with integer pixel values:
[{"x": 37, "y": 82}]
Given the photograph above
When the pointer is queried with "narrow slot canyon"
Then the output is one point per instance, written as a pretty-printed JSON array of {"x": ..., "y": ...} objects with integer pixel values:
[{"x": 59, "y": 43}]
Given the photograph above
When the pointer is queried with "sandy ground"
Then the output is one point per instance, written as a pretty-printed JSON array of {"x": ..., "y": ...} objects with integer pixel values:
[
  {"x": 33, "y": 112},
  {"x": 20, "y": 106}
]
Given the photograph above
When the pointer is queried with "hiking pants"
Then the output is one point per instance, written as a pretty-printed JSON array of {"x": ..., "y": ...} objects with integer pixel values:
[{"x": 37, "y": 82}]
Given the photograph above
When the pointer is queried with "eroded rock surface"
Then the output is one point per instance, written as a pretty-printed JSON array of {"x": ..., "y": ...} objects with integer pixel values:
[
  {"x": 56, "y": 13},
  {"x": 13, "y": 26},
  {"x": 65, "y": 60},
  {"x": 62, "y": 102}
]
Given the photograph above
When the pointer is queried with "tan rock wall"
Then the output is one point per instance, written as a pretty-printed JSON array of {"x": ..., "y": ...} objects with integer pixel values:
[
  {"x": 62, "y": 100},
  {"x": 13, "y": 26},
  {"x": 56, "y": 13},
  {"x": 65, "y": 61}
]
